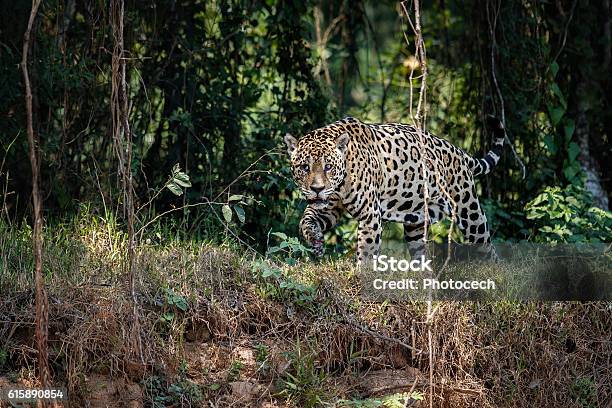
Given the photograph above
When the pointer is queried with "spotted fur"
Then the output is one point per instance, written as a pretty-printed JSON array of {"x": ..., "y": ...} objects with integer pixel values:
[{"x": 375, "y": 173}]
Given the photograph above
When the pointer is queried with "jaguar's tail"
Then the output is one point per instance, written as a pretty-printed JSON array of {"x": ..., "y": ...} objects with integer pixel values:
[{"x": 487, "y": 163}]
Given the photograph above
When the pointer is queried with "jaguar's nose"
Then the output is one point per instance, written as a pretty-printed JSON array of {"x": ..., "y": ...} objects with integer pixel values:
[{"x": 317, "y": 189}]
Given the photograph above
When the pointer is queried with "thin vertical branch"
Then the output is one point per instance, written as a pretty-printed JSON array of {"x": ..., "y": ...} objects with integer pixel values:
[
  {"x": 42, "y": 303},
  {"x": 344, "y": 68},
  {"x": 419, "y": 119},
  {"x": 122, "y": 137},
  {"x": 500, "y": 97},
  {"x": 323, "y": 39}
]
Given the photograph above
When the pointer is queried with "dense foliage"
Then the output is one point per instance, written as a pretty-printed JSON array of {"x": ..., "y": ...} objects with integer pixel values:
[{"x": 214, "y": 85}]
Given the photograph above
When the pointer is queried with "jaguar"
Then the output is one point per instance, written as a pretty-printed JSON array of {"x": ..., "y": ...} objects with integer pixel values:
[{"x": 387, "y": 172}]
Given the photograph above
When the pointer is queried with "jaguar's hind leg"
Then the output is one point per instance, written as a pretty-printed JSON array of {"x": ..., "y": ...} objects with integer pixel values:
[
  {"x": 413, "y": 233},
  {"x": 473, "y": 224}
]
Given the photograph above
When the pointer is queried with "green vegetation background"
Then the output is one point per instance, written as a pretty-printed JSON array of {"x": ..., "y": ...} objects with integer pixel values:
[{"x": 214, "y": 85}]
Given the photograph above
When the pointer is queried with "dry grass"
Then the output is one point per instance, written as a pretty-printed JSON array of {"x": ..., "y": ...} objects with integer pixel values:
[{"x": 224, "y": 336}]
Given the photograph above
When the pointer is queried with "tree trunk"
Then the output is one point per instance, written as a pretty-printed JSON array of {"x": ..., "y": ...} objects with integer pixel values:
[
  {"x": 122, "y": 137},
  {"x": 587, "y": 161},
  {"x": 42, "y": 303}
]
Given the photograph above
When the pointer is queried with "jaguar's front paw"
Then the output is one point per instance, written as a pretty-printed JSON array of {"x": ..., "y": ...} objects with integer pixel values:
[
  {"x": 314, "y": 238},
  {"x": 317, "y": 248}
]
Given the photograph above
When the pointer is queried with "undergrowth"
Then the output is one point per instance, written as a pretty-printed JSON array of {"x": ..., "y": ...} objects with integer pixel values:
[{"x": 314, "y": 340}]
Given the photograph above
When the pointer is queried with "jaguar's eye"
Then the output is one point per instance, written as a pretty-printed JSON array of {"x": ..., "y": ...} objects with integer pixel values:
[
  {"x": 327, "y": 167},
  {"x": 305, "y": 168}
]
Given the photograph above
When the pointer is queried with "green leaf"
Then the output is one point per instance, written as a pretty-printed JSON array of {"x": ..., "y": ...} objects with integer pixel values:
[
  {"x": 557, "y": 91},
  {"x": 179, "y": 302},
  {"x": 182, "y": 179},
  {"x": 556, "y": 114},
  {"x": 538, "y": 200},
  {"x": 417, "y": 396},
  {"x": 572, "y": 151},
  {"x": 240, "y": 213},
  {"x": 550, "y": 144},
  {"x": 227, "y": 212},
  {"x": 554, "y": 68},
  {"x": 570, "y": 172},
  {"x": 568, "y": 129},
  {"x": 172, "y": 186},
  {"x": 267, "y": 272},
  {"x": 534, "y": 215},
  {"x": 235, "y": 197},
  {"x": 280, "y": 235}
]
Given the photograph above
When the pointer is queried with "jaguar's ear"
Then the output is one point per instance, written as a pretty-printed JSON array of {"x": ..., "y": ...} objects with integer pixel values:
[
  {"x": 291, "y": 143},
  {"x": 342, "y": 142}
]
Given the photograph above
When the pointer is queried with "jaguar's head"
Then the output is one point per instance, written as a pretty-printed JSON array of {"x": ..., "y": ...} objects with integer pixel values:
[{"x": 318, "y": 163}]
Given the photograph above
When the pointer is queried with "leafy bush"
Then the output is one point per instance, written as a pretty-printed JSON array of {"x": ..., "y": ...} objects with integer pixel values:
[
  {"x": 160, "y": 393},
  {"x": 290, "y": 247},
  {"x": 568, "y": 215},
  {"x": 505, "y": 224},
  {"x": 172, "y": 305},
  {"x": 303, "y": 381},
  {"x": 275, "y": 284},
  {"x": 398, "y": 400}
]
